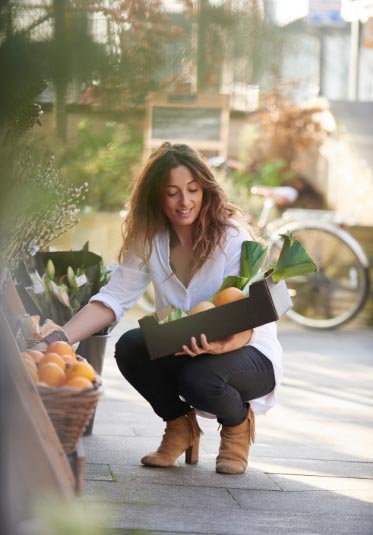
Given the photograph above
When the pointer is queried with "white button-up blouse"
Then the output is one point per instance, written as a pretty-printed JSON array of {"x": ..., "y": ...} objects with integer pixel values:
[{"x": 130, "y": 279}]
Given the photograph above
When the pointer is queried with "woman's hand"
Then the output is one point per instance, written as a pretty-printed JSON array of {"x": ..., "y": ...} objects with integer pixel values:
[{"x": 236, "y": 341}]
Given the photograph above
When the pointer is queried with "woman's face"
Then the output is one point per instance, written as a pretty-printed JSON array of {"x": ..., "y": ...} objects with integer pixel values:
[{"x": 183, "y": 198}]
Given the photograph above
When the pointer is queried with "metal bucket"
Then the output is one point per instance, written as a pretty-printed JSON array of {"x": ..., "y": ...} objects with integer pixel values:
[{"x": 93, "y": 349}]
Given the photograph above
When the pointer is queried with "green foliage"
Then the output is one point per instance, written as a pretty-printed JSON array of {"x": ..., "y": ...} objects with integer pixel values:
[
  {"x": 293, "y": 260},
  {"x": 270, "y": 173},
  {"x": 252, "y": 256},
  {"x": 19, "y": 87},
  {"x": 106, "y": 158},
  {"x": 274, "y": 173},
  {"x": 37, "y": 202}
]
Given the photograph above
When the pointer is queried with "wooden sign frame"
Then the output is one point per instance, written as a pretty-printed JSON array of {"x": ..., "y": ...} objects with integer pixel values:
[
  {"x": 37, "y": 460},
  {"x": 200, "y": 120}
]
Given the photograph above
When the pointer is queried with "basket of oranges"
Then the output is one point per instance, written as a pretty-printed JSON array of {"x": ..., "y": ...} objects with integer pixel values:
[{"x": 69, "y": 388}]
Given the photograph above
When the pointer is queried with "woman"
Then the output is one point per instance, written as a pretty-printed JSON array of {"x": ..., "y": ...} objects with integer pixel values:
[{"x": 182, "y": 235}]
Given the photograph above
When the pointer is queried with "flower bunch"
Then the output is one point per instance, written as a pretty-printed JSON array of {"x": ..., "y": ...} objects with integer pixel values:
[{"x": 61, "y": 290}]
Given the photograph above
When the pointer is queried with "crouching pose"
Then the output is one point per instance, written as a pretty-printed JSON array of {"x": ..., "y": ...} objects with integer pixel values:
[{"x": 182, "y": 235}]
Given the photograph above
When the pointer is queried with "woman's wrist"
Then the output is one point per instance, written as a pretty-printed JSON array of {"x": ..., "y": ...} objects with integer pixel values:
[
  {"x": 57, "y": 335},
  {"x": 240, "y": 340}
]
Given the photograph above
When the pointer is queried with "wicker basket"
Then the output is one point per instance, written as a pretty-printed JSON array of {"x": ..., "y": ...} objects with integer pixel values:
[{"x": 70, "y": 411}]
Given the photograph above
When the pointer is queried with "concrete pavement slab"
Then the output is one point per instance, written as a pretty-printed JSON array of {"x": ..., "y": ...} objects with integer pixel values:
[
  {"x": 306, "y": 502},
  {"x": 98, "y": 472},
  {"x": 162, "y": 495},
  {"x": 300, "y": 482},
  {"x": 202, "y": 475},
  {"x": 312, "y": 467}
]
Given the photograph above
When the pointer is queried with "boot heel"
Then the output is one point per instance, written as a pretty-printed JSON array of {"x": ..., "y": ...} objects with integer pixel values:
[{"x": 191, "y": 454}]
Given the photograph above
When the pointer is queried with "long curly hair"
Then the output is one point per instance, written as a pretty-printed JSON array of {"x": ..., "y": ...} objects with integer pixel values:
[{"x": 145, "y": 216}]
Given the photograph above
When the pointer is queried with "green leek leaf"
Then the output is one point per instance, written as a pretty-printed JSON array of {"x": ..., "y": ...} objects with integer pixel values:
[
  {"x": 293, "y": 260},
  {"x": 252, "y": 256}
]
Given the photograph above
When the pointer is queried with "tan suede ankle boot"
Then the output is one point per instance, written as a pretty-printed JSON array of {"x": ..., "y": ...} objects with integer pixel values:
[
  {"x": 181, "y": 435},
  {"x": 234, "y": 446}
]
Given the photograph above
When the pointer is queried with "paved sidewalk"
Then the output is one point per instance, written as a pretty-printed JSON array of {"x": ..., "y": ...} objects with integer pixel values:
[{"x": 310, "y": 469}]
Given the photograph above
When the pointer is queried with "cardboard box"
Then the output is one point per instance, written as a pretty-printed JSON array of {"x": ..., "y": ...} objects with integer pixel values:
[{"x": 267, "y": 302}]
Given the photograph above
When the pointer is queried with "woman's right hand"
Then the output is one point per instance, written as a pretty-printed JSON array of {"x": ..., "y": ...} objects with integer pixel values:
[{"x": 219, "y": 347}]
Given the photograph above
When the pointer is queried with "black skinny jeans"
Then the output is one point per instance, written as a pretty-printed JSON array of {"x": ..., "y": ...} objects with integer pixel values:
[{"x": 218, "y": 384}]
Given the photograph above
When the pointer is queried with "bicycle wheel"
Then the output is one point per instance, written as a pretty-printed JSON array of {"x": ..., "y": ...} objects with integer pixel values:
[{"x": 335, "y": 293}]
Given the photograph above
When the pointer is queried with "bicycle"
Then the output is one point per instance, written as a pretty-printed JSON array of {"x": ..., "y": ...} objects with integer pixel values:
[{"x": 334, "y": 294}]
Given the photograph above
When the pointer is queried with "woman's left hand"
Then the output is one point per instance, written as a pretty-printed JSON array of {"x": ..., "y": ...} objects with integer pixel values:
[{"x": 218, "y": 347}]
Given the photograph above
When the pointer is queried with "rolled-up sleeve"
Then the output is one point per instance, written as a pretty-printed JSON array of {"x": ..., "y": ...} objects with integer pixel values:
[{"x": 127, "y": 284}]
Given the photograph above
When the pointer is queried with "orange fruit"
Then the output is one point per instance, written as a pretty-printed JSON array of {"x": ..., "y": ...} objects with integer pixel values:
[
  {"x": 51, "y": 374},
  {"x": 81, "y": 369},
  {"x": 34, "y": 354},
  {"x": 32, "y": 370},
  {"x": 29, "y": 361},
  {"x": 228, "y": 295},
  {"x": 79, "y": 382},
  {"x": 69, "y": 359},
  {"x": 52, "y": 357},
  {"x": 201, "y": 307},
  {"x": 61, "y": 348}
]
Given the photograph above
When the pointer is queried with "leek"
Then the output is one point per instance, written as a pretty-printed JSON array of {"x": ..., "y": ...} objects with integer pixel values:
[{"x": 293, "y": 260}]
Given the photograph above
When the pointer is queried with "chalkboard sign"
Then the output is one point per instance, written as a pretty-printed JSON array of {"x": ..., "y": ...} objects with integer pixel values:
[
  {"x": 200, "y": 120},
  {"x": 192, "y": 123}
]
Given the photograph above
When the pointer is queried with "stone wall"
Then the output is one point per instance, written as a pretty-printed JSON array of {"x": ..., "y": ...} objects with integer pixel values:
[{"x": 349, "y": 182}]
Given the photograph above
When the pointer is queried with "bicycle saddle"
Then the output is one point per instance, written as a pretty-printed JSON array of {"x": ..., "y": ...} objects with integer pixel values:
[{"x": 280, "y": 196}]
